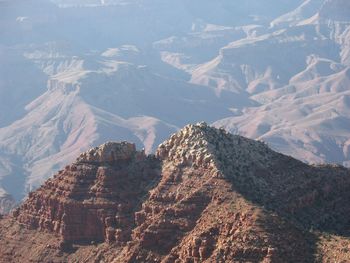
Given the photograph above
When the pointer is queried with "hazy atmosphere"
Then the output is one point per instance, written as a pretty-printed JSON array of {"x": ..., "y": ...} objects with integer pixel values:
[
  {"x": 77, "y": 73},
  {"x": 174, "y": 131}
]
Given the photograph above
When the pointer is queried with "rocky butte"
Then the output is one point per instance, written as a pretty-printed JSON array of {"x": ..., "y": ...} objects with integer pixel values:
[{"x": 205, "y": 196}]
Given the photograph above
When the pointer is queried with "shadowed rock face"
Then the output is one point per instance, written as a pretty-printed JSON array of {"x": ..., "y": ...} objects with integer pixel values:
[{"x": 206, "y": 196}]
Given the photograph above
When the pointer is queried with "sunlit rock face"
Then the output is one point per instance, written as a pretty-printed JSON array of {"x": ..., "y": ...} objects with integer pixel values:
[
  {"x": 102, "y": 188},
  {"x": 205, "y": 196},
  {"x": 75, "y": 74}
]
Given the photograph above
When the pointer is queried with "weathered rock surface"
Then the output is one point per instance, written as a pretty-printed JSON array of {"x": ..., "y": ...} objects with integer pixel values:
[
  {"x": 94, "y": 198},
  {"x": 206, "y": 196}
]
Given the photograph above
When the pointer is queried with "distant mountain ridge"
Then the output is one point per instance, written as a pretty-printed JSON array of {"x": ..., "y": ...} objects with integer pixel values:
[{"x": 74, "y": 74}]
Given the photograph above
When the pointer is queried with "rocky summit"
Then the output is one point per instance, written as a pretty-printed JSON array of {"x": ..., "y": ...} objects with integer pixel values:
[
  {"x": 205, "y": 196},
  {"x": 93, "y": 199}
]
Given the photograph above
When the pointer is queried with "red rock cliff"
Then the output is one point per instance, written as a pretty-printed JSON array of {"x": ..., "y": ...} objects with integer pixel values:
[
  {"x": 206, "y": 196},
  {"x": 94, "y": 198}
]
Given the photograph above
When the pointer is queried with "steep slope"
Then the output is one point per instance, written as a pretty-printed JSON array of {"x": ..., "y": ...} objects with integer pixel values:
[
  {"x": 306, "y": 10},
  {"x": 219, "y": 197},
  {"x": 120, "y": 69},
  {"x": 73, "y": 115},
  {"x": 12, "y": 88},
  {"x": 112, "y": 177},
  {"x": 306, "y": 118},
  {"x": 299, "y": 76}
]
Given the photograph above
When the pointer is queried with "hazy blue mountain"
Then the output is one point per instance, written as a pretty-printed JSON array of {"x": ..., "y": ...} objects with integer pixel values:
[{"x": 76, "y": 73}]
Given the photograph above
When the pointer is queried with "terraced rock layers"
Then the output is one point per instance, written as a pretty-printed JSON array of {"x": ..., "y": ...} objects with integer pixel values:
[
  {"x": 94, "y": 198},
  {"x": 206, "y": 196}
]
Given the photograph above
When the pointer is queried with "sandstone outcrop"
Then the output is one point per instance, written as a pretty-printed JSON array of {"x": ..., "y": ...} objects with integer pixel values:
[
  {"x": 94, "y": 198},
  {"x": 205, "y": 196}
]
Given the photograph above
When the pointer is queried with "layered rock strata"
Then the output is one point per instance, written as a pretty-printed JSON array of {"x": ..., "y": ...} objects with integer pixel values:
[
  {"x": 206, "y": 196},
  {"x": 225, "y": 198},
  {"x": 94, "y": 198}
]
